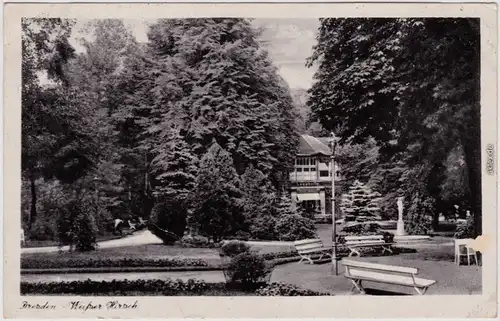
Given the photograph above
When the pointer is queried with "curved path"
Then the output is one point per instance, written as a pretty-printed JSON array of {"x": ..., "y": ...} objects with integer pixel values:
[{"x": 138, "y": 238}]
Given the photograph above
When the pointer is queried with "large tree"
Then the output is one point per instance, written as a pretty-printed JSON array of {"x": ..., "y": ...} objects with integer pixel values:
[
  {"x": 212, "y": 80},
  {"x": 56, "y": 137},
  {"x": 410, "y": 84}
]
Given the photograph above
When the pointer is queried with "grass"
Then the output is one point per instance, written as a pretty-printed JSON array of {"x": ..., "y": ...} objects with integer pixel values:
[{"x": 139, "y": 252}]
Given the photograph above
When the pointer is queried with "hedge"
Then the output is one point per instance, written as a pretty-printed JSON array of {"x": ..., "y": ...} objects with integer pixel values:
[
  {"x": 165, "y": 287},
  {"x": 38, "y": 263}
]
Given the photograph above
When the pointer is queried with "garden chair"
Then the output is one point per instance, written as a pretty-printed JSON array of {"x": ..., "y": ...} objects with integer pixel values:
[{"x": 463, "y": 248}]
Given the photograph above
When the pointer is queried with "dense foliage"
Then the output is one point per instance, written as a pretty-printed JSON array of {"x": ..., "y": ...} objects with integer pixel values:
[
  {"x": 283, "y": 289},
  {"x": 411, "y": 86},
  {"x": 132, "y": 126}
]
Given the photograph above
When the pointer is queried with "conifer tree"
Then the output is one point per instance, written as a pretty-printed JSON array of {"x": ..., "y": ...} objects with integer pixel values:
[
  {"x": 216, "y": 196},
  {"x": 360, "y": 201}
]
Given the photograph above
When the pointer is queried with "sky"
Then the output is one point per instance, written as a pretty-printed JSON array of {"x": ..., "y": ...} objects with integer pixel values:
[{"x": 290, "y": 43}]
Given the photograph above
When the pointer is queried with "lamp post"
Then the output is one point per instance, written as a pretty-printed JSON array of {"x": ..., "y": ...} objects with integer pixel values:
[{"x": 334, "y": 225}]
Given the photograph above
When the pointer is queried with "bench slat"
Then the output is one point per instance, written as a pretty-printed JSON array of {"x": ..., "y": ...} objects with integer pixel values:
[
  {"x": 307, "y": 241},
  {"x": 388, "y": 278},
  {"x": 379, "y": 267},
  {"x": 366, "y": 242},
  {"x": 316, "y": 250},
  {"x": 368, "y": 237},
  {"x": 308, "y": 246}
]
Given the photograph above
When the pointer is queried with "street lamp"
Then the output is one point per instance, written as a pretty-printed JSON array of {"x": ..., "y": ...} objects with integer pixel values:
[{"x": 332, "y": 141}]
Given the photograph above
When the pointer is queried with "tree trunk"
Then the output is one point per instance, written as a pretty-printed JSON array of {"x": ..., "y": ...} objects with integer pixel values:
[
  {"x": 33, "y": 200},
  {"x": 473, "y": 158}
]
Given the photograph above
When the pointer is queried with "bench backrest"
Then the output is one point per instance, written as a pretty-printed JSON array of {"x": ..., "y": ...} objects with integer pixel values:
[
  {"x": 351, "y": 264},
  {"x": 305, "y": 245},
  {"x": 364, "y": 238},
  {"x": 351, "y": 240}
]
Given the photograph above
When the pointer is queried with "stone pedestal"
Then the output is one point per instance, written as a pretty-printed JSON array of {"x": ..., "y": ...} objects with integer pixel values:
[{"x": 401, "y": 224}]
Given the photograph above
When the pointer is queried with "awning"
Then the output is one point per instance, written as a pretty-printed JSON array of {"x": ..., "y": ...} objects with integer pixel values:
[{"x": 307, "y": 197}]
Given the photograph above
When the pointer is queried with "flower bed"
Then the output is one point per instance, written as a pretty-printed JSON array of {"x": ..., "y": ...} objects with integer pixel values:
[
  {"x": 37, "y": 263},
  {"x": 166, "y": 287}
]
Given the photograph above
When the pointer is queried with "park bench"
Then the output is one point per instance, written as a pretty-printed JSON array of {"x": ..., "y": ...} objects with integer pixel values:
[
  {"x": 358, "y": 272},
  {"x": 354, "y": 243},
  {"x": 311, "y": 247}
]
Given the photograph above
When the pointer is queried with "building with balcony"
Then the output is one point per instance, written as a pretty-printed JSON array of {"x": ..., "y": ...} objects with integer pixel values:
[{"x": 310, "y": 180}]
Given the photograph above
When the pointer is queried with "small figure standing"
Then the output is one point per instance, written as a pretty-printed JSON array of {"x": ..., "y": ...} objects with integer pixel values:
[{"x": 118, "y": 226}]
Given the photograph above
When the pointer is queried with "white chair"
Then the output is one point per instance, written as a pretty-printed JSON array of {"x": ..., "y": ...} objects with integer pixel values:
[{"x": 463, "y": 248}]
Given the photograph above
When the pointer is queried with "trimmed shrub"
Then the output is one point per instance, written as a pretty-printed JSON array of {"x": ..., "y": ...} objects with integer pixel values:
[
  {"x": 295, "y": 227},
  {"x": 233, "y": 248},
  {"x": 283, "y": 289},
  {"x": 248, "y": 270},
  {"x": 170, "y": 215}
]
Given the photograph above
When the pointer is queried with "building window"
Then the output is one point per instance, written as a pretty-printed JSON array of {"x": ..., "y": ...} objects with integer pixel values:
[{"x": 324, "y": 173}]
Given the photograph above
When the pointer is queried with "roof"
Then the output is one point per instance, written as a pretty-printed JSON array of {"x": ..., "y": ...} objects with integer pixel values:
[{"x": 309, "y": 146}]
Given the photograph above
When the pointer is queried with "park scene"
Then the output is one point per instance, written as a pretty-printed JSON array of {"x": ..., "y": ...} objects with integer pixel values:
[{"x": 250, "y": 157}]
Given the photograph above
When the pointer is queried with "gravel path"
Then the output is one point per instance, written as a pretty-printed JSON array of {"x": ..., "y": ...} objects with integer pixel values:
[{"x": 138, "y": 238}]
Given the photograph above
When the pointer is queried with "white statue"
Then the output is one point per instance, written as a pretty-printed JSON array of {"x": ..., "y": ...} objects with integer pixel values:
[{"x": 401, "y": 223}]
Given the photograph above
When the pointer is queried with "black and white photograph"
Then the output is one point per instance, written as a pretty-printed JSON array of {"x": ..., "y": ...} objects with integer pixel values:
[{"x": 249, "y": 156}]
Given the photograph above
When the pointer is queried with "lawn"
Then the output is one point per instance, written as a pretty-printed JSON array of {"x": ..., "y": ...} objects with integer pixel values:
[{"x": 145, "y": 252}]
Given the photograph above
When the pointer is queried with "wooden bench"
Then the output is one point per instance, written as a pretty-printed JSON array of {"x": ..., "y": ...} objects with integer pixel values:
[
  {"x": 354, "y": 243},
  {"x": 358, "y": 271},
  {"x": 310, "y": 247}
]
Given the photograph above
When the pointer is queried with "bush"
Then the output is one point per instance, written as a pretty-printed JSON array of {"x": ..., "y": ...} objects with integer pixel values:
[
  {"x": 467, "y": 230},
  {"x": 170, "y": 215},
  {"x": 76, "y": 225},
  {"x": 282, "y": 289},
  {"x": 263, "y": 228},
  {"x": 197, "y": 241},
  {"x": 233, "y": 248},
  {"x": 39, "y": 263},
  {"x": 242, "y": 236},
  {"x": 43, "y": 229},
  {"x": 248, "y": 269},
  {"x": 295, "y": 227},
  {"x": 420, "y": 212}
]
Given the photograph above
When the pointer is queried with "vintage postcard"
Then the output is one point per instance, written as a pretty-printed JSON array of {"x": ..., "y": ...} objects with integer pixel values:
[{"x": 250, "y": 160}]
